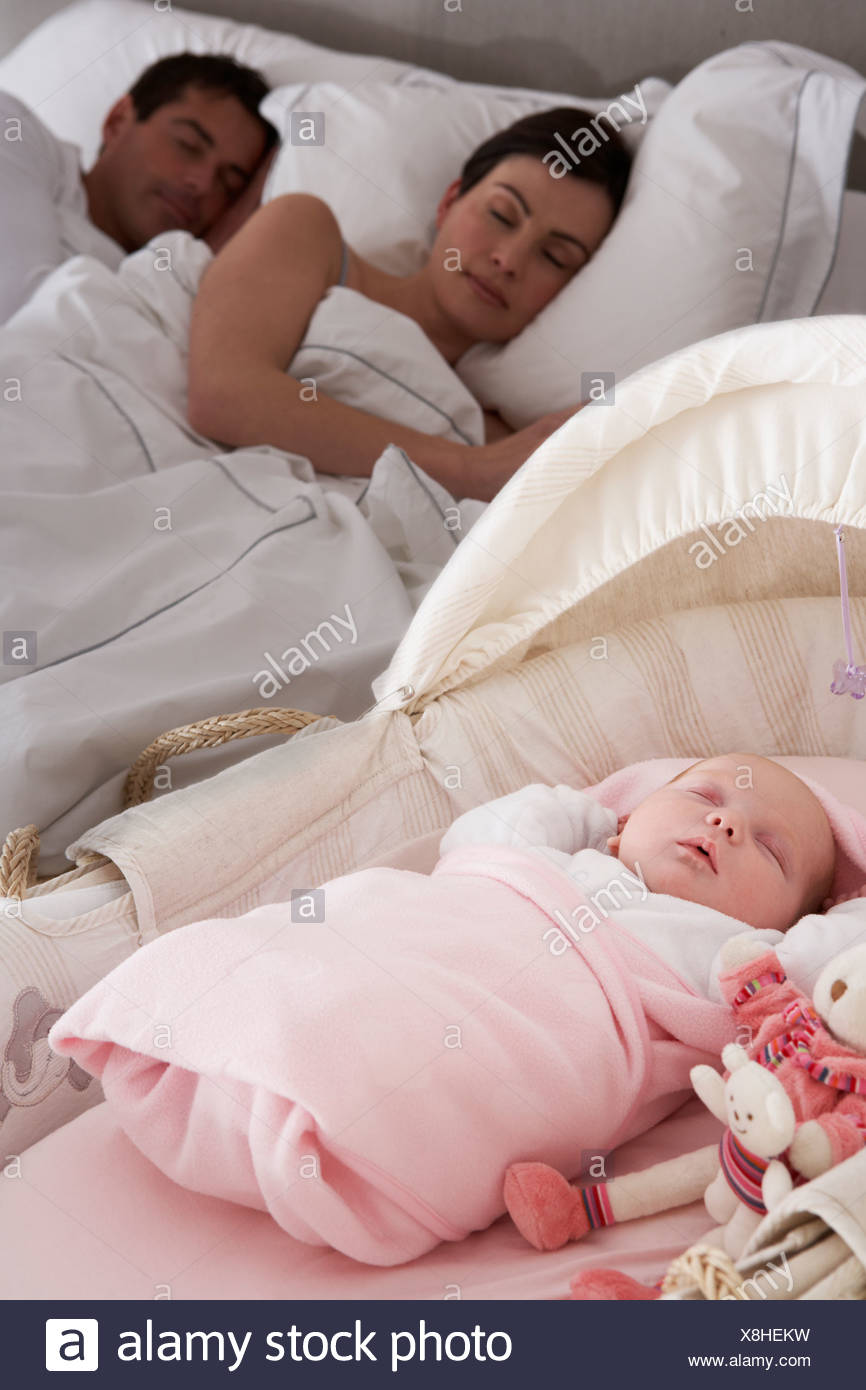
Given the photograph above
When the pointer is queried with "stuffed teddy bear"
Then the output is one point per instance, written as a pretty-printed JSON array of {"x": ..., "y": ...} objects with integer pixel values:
[{"x": 815, "y": 1051}]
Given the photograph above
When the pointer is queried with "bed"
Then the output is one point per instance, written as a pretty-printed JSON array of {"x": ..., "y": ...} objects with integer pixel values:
[
  {"x": 581, "y": 624},
  {"x": 178, "y": 536}
]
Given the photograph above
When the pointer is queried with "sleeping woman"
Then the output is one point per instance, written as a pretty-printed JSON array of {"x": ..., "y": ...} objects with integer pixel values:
[{"x": 510, "y": 235}]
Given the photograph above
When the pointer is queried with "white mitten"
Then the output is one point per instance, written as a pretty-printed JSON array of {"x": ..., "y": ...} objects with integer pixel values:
[
  {"x": 557, "y": 817},
  {"x": 813, "y": 942},
  {"x": 810, "y": 1151}
]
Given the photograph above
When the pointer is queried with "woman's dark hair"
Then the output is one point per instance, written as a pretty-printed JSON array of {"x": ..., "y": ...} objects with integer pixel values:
[
  {"x": 535, "y": 135},
  {"x": 168, "y": 79}
]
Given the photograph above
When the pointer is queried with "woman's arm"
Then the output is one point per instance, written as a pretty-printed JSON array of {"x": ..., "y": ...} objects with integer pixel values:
[
  {"x": 495, "y": 427},
  {"x": 249, "y": 318}
]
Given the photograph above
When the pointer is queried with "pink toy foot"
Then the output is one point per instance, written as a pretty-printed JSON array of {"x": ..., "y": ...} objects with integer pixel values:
[
  {"x": 598, "y": 1284},
  {"x": 544, "y": 1206}
]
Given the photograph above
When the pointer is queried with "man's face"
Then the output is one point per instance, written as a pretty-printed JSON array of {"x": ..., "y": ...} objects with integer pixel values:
[
  {"x": 739, "y": 834},
  {"x": 182, "y": 167}
]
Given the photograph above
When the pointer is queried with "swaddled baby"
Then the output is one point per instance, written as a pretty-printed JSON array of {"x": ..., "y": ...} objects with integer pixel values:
[
  {"x": 739, "y": 834},
  {"x": 368, "y": 1076}
]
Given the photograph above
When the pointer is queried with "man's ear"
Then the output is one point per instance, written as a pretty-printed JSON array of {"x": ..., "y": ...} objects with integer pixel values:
[
  {"x": 119, "y": 118},
  {"x": 448, "y": 197}
]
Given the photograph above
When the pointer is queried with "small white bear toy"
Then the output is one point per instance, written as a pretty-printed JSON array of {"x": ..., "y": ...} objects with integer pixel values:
[{"x": 761, "y": 1123}]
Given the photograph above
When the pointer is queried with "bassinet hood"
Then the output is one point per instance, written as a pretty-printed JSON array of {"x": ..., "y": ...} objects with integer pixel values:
[{"x": 699, "y": 484}]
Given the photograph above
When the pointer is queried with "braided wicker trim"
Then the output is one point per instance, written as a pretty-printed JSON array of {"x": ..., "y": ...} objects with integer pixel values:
[
  {"x": 207, "y": 733},
  {"x": 713, "y": 1271},
  {"x": 20, "y": 852},
  {"x": 18, "y": 861}
]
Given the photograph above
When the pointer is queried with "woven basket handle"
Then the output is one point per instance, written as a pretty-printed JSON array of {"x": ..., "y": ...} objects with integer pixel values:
[
  {"x": 20, "y": 850},
  {"x": 207, "y": 733}
]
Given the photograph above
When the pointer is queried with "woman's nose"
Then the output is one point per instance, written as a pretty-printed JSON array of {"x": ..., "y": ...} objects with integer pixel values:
[
  {"x": 504, "y": 262},
  {"x": 508, "y": 258}
]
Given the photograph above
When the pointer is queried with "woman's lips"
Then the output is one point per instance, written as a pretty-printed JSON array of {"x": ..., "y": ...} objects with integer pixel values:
[{"x": 489, "y": 296}]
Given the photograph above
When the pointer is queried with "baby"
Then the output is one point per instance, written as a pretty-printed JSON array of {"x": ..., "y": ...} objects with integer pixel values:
[
  {"x": 738, "y": 834},
  {"x": 370, "y": 1075}
]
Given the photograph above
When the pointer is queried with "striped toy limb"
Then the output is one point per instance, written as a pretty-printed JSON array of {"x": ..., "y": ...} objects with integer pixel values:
[
  {"x": 673, "y": 1183},
  {"x": 549, "y": 1211}
]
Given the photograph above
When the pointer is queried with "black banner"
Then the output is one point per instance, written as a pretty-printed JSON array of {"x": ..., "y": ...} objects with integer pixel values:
[{"x": 425, "y": 1344}]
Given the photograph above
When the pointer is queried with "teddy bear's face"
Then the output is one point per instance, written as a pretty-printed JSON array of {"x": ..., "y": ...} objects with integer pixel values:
[
  {"x": 840, "y": 997},
  {"x": 759, "y": 1112}
]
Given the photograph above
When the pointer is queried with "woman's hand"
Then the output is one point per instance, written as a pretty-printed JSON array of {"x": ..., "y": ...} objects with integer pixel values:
[
  {"x": 495, "y": 427},
  {"x": 489, "y": 466}
]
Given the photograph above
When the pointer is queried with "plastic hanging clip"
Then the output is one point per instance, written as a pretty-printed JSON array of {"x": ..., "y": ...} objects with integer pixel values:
[{"x": 848, "y": 679}]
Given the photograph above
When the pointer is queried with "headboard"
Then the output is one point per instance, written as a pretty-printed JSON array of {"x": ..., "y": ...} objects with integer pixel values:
[{"x": 560, "y": 45}]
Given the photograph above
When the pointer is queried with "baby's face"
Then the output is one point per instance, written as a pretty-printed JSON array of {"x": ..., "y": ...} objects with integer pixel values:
[{"x": 737, "y": 833}]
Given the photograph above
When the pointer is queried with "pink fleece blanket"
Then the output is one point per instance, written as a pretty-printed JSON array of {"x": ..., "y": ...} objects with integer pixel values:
[{"x": 367, "y": 1079}]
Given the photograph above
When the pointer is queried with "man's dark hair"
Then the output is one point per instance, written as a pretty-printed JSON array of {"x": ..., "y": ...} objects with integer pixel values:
[
  {"x": 535, "y": 135},
  {"x": 168, "y": 79}
]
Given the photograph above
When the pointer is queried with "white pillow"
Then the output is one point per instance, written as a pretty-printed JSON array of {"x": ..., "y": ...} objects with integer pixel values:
[
  {"x": 74, "y": 65},
  {"x": 730, "y": 218},
  {"x": 390, "y": 150}
]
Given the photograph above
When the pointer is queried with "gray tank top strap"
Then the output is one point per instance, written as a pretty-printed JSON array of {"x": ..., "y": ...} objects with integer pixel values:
[{"x": 344, "y": 267}]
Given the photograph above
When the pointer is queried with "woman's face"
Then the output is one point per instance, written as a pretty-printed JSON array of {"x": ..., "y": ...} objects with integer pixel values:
[{"x": 522, "y": 232}]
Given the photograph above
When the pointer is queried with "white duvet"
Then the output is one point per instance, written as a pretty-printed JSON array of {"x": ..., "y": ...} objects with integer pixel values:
[{"x": 150, "y": 579}]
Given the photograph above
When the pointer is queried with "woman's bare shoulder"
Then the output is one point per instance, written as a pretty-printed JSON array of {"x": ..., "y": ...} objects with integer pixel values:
[{"x": 305, "y": 223}]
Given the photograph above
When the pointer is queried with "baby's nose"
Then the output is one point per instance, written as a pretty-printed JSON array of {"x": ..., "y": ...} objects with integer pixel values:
[{"x": 724, "y": 822}]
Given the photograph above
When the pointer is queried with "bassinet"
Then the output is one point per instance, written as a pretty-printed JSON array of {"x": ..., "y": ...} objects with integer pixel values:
[{"x": 659, "y": 580}]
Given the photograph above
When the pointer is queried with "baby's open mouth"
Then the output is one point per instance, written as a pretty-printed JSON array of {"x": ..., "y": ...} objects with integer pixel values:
[{"x": 704, "y": 850}]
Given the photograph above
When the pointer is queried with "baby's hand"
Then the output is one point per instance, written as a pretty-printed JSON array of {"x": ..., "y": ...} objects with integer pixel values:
[
  {"x": 613, "y": 839},
  {"x": 844, "y": 898}
]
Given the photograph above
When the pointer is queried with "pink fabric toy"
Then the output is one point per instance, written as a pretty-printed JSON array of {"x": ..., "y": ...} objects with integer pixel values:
[
  {"x": 824, "y": 1078},
  {"x": 804, "y": 1044}
]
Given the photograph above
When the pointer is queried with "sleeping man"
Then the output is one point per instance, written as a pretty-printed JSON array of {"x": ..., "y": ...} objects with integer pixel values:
[
  {"x": 367, "y": 1072},
  {"x": 184, "y": 147}
]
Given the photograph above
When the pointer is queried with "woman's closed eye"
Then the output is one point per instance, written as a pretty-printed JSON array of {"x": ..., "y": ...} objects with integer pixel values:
[{"x": 499, "y": 218}]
